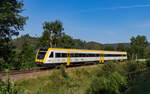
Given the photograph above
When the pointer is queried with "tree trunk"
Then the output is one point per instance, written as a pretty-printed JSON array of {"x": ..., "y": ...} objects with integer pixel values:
[
  {"x": 51, "y": 44},
  {"x": 55, "y": 44}
]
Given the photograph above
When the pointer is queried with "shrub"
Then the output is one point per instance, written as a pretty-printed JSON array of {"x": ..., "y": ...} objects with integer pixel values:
[
  {"x": 1, "y": 63},
  {"x": 58, "y": 80},
  {"x": 110, "y": 67},
  {"x": 132, "y": 66},
  {"x": 9, "y": 87},
  {"x": 112, "y": 84},
  {"x": 63, "y": 72},
  {"x": 148, "y": 62},
  {"x": 142, "y": 66}
]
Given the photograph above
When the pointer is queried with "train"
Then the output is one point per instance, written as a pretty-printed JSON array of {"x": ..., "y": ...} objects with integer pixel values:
[{"x": 56, "y": 56}]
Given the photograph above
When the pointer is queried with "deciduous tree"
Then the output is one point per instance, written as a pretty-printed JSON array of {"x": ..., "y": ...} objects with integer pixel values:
[
  {"x": 138, "y": 44},
  {"x": 11, "y": 22},
  {"x": 55, "y": 31}
]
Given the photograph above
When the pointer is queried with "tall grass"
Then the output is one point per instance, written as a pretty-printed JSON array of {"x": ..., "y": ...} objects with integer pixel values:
[
  {"x": 110, "y": 78},
  {"x": 9, "y": 87}
]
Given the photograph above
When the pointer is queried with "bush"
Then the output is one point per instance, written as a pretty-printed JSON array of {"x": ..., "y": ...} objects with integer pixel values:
[
  {"x": 2, "y": 64},
  {"x": 132, "y": 66},
  {"x": 63, "y": 72},
  {"x": 142, "y": 66},
  {"x": 9, "y": 87},
  {"x": 58, "y": 80},
  {"x": 112, "y": 84},
  {"x": 110, "y": 67},
  {"x": 148, "y": 62}
]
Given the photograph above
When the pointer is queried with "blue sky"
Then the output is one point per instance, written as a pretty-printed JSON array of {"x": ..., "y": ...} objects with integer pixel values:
[{"x": 104, "y": 21}]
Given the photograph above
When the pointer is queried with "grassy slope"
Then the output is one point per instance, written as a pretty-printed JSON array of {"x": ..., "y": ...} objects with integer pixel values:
[{"x": 76, "y": 82}]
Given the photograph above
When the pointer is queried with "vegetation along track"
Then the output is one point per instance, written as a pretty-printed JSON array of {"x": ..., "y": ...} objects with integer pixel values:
[{"x": 24, "y": 74}]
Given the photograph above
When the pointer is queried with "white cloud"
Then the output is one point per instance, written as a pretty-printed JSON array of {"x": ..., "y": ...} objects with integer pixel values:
[{"x": 125, "y": 7}]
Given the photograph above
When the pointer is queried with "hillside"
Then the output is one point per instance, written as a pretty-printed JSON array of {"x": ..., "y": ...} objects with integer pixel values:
[{"x": 116, "y": 44}]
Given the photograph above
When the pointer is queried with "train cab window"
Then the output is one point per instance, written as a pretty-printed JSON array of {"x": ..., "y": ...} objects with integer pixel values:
[
  {"x": 51, "y": 55},
  {"x": 41, "y": 55}
]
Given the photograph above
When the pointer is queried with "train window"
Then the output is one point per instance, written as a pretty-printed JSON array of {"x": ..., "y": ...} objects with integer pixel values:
[
  {"x": 113, "y": 55},
  {"x": 76, "y": 55},
  {"x": 57, "y": 55},
  {"x": 51, "y": 55},
  {"x": 72, "y": 55},
  {"x": 97, "y": 55},
  {"x": 64, "y": 54},
  {"x": 83, "y": 55},
  {"x": 91, "y": 55},
  {"x": 87, "y": 55},
  {"x": 80, "y": 55}
]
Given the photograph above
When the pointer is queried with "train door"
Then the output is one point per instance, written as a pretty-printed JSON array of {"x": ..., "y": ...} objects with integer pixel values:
[
  {"x": 122, "y": 58},
  {"x": 101, "y": 60},
  {"x": 68, "y": 58}
]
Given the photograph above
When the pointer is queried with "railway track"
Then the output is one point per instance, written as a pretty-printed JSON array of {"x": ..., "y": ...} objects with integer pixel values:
[
  {"x": 16, "y": 72},
  {"x": 23, "y": 74}
]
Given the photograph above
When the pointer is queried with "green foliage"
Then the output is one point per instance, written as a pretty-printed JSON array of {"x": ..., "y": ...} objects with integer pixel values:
[
  {"x": 26, "y": 57},
  {"x": 9, "y": 87},
  {"x": 79, "y": 44},
  {"x": 147, "y": 52},
  {"x": 110, "y": 48},
  {"x": 20, "y": 41},
  {"x": 2, "y": 64},
  {"x": 138, "y": 44},
  {"x": 109, "y": 79},
  {"x": 94, "y": 46},
  {"x": 110, "y": 67},
  {"x": 148, "y": 62},
  {"x": 132, "y": 66},
  {"x": 65, "y": 41},
  {"x": 112, "y": 84},
  {"x": 121, "y": 47},
  {"x": 63, "y": 72},
  {"x": 45, "y": 39},
  {"x": 10, "y": 24},
  {"x": 55, "y": 30}
]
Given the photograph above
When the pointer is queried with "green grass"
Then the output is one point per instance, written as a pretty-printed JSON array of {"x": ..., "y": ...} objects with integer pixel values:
[
  {"x": 76, "y": 82},
  {"x": 111, "y": 78}
]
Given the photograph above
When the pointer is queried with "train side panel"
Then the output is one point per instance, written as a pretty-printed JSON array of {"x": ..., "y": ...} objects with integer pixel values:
[{"x": 51, "y": 57}]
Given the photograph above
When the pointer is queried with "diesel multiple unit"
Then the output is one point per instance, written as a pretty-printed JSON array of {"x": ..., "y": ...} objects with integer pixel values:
[{"x": 54, "y": 56}]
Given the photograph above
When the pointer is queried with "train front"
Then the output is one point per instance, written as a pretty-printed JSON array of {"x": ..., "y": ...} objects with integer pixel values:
[{"x": 40, "y": 56}]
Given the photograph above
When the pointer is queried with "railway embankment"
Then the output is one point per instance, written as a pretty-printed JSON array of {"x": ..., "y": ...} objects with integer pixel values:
[
  {"x": 27, "y": 74},
  {"x": 112, "y": 78}
]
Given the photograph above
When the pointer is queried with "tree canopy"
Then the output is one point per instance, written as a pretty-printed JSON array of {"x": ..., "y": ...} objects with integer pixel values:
[
  {"x": 137, "y": 46},
  {"x": 11, "y": 22},
  {"x": 55, "y": 31}
]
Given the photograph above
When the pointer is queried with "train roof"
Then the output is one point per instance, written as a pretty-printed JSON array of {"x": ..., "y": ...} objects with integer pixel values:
[{"x": 66, "y": 49}]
